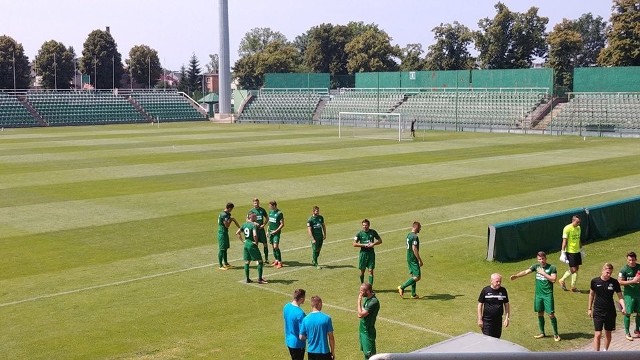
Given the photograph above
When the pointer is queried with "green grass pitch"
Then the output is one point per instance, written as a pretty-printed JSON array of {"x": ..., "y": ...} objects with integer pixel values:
[{"x": 108, "y": 235}]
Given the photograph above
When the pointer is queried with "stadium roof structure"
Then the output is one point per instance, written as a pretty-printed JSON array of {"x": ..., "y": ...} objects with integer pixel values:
[{"x": 209, "y": 98}]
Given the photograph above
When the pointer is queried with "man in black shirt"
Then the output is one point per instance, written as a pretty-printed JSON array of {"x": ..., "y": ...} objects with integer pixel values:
[
  {"x": 493, "y": 302},
  {"x": 601, "y": 306}
]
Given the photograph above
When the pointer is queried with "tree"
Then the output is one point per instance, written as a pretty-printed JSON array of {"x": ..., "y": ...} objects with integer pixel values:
[
  {"x": 565, "y": 43},
  {"x": 183, "y": 84},
  {"x": 371, "y": 51},
  {"x": 410, "y": 58},
  {"x": 191, "y": 80},
  {"x": 511, "y": 40},
  {"x": 13, "y": 60},
  {"x": 277, "y": 57},
  {"x": 101, "y": 60},
  {"x": 451, "y": 49},
  {"x": 623, "y": 36},
  {"x": 213, "y": 66},
  {"x": 257, "y": 39},
  {"x": 594, "y": 38},
  {"x": 144, "y": 65},
  {"x": 56, "y": 64}
]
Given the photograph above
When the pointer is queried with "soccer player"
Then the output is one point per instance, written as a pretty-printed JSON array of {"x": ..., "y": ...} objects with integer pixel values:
[
  {"x": 629, "y": 277},
  {"x": 601, "y": 307},
  {"x": 546, "y": 275},
  {"x": 261, "y": 220},
  {"x": 224, "y": 221},
  {"x": 367, "y": 308},
  {"x": 493, "y": 302},
  {"x": 293, "y": 316},
  {"x": 317, "y": 330},
  {"x": 414, "y": 261},
  {"x": 318, "y": 233},
  {"x": 276, "y": 223},
  {"x": 248, "y": 234},
  {"x": 366, "y": 239},
  {"x": 571, "y": 250}
]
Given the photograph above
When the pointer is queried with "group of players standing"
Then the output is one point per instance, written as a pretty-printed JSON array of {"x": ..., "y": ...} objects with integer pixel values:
[{"x": 493, "y": 301}]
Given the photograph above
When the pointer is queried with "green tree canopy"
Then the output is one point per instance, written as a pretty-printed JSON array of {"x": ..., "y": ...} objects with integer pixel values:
[
  {"x": 101, "y": 60},
  {"x": 565, "y": 43},
  {"x": 144, "y": 65},
  {"x": 594, "y": 38},
  {"x": 511, "y": 40},
  {"x": 13, "y": 60},
  {"x": 213, "y": 66},
  {"x": 277, "y": 57},
  {"x": 257, "y": 40},
  {"x": 623, "y": 36},
  {"x": 451, "y": 49},
  {"x": 371, "y": 51},
  {"x": 56, "y": 64},
  {"x": 410, "y": 58},
  {"x": 191, "y": 80}
]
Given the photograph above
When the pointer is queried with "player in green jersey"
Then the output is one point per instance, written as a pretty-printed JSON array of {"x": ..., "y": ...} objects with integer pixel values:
[
  {"x": 224, "y": 221},
  {"x": 629, "y": 277},
  {"x": 367, "y": 308},
  {"x": 414, "y": 261},
  {"x": 276, "y": 223},
  {"x": 262, "y": 217},
  {"x": 546, "y": 275},
  {"x": 318, "y": 233},
  {"x": 366, "y": 239},
  {"x": 248, "y": 234},
  {"x": 571, "y": 248}
]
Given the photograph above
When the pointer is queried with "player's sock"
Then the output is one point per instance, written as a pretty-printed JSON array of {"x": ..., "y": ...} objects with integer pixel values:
[
  {"x": 554, "y": 325},
  {"x": 220, "y": 257},
  {"x": 260, "y": 267},
  {"x": 626, "y": 320},
  {"x": 278, "y": 254},
  {"x": 371, "y": 279},
  {"x": 246, "y": 271},
  {"x": 565, "y": 276},
  {"x": 413, "y": 289},
  {"x": 637, "y": 322},
  {"x": 541, "y": 324},
  {"x": 408, "y": 283},
  {"x": 574, "y": 279},
  {"x": 266, "y": 254},
  {"x": 224, "y": 257},
  {"x": 361, "y": 279},
  {"x": 314, "y": 258}
]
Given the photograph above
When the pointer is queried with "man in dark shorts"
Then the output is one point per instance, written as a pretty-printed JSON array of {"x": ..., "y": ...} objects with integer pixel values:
[
  {"x": 601, "y": 306},
  {"x": 493, "y": 302}
]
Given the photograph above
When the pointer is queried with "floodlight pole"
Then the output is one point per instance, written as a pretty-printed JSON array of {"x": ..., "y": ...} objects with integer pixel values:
[
  {"x": 113, "y": 71},
  {"x": 224, "y": 78},
  {"x": 14, "y": 70},
  {"x": 149, "y": 63},
  {"x": 55, "y": 72}
]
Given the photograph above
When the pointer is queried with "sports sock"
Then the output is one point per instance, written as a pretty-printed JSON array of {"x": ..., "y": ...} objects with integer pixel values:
[
  {"x": 408, "y": 283},
  {"x": 314, "y": 258},
  {"x": 224, "y": 257},
  {"x": 541, "y": 324},
  {"x": 554, "y": 325},
  {"x": 246, "y": 271},
  {"x": 278, "y": 254},
  {"x": 574, "y": 279},
  {"x": 220, "y": 257},
  {"x": 413, "y": 289},
  {"x": 266, "y": 254},
  {"x": 626, "y": 320},
  {"x": 361, "y": 279},
  {"x": 637, "y": 322},
  {"x": 371, "y": 279},
  {"x": 260, "y": 267},
  {"x": 566, "y": 275}
]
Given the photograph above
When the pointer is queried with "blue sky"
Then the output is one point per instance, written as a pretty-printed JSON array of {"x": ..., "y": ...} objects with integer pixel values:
[{"x": 177, "y": 29}]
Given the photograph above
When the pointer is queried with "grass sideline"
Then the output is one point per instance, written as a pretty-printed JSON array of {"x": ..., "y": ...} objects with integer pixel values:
[{"x": 107, "y": 234}]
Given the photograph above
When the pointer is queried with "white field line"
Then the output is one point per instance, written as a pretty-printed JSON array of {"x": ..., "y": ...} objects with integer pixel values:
[{"x": 153, "y": 276}]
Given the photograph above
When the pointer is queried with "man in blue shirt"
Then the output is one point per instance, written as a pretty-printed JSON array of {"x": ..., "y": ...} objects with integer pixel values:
[
  {"x": 317, "y": 330},
  {"x": 293, "y": 316}
]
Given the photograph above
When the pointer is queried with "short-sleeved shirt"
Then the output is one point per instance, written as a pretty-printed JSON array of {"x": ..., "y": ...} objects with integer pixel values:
[
  {"x": 247, "y": 232},
  {"x": 604, "y": 291},
  {"x": 275, "y": 218},
  {"x": 368, "y": 323},
  {"x": 366, "y": 237},
  {"x": 315, "y": 223},
  {"x": 222, "y": 218},
  {"x": 572, "y": 234},
  {"x": 493, "y": 300},
  {"x": 412, "y": 240},
  {"x": 261, "y": 215},
  {"x": 628, "y": 273},
  {"x": 293, "y": 316},
  {"x": 316, "y": 326},
  {"x": 544, "y": 287}
]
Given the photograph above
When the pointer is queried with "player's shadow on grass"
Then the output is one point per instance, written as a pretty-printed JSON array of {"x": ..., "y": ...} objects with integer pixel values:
[
  {"x": 442, "y": 297},
  {"x": 573, "y": 336},
  {"x": 280, "y": 281}
]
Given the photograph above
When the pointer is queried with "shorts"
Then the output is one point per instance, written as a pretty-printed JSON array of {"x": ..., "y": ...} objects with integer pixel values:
[
  {"x": 367, "y": 346},
  {"x": 274, "y": 239},
  {"x": 296, "y": 353},
  {"x": 262, "y": 236},
  {"x": 574, "y": 259},
  {"x": 632, "y": 304},
  {"x": 606, "y": 320},
  {"x": 252, "y": 254},
  {"x": 414, "y": 268},
  {"x": 544, "y": 303},
  {"x": 316, "y": 356},
  {"x": 367, "y": 260},
  {"x": 492, "y": 327},
  {"x": 223, "y": 241}
]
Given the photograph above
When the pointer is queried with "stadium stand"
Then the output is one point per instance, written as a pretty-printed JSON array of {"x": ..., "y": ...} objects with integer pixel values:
[
  {"x": 599, "y": 112},
  {"x": 13, "y": 113},
  {"x": 167, "y": 106},
  {"x": 362, "y": 100},
  {"x": 281, "y": 106}
]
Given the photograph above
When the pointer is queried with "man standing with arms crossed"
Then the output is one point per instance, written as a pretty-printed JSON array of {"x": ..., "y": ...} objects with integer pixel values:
[
  {"x": 276, "y": 223},
  {"x": 224, "y": 221},
  {"x": 317, "y": 330},
  {"x": 293, "y": 316},
  {"x": 492, "y": 303},
  {"x": 571, "y": 250},
  {"x": 367, "y": 313},
  {"x": 366, "y": 239},
  {"x": 249, "y": 235},
  {"x": 414, "y": 261},
  {"x": 629, "y": 277},
  {"x": 318, "y": 233},
  {"x": 601, "y": 307},
  {"x": 261, "y": 220}
]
